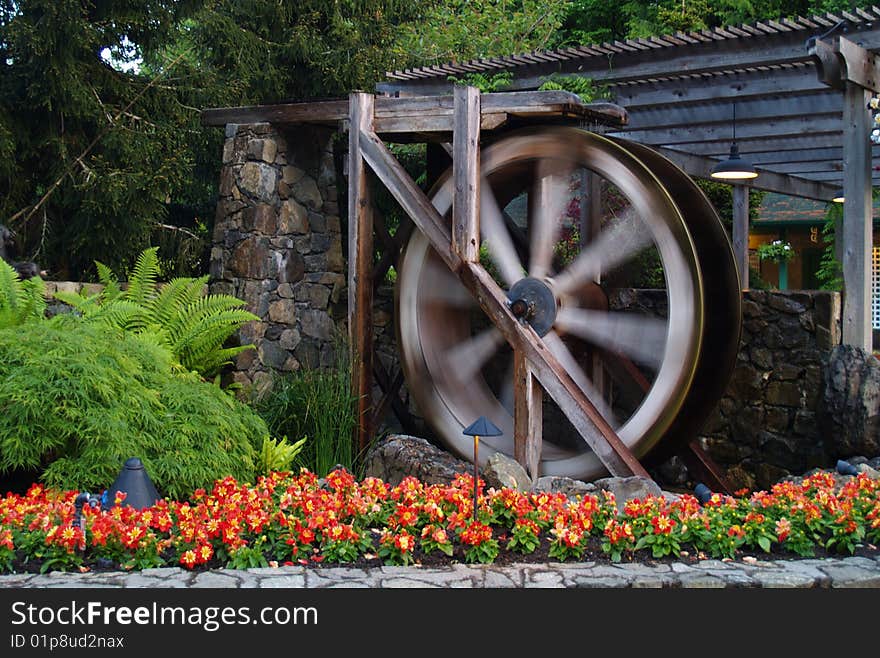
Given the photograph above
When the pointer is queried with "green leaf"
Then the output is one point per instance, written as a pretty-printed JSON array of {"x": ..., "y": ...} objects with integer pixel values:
[{"x": 764, "y": 543}]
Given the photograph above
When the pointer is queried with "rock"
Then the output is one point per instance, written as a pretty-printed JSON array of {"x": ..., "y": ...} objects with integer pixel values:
[
  {"x": 290, "y": 338},
  {"x": 849, "y": 412},
  {"x": 568, "y": 486},
  {"x": 870, "y": 472},
  {"x": 251, "y": 259},
  {"x": 284, "y": 311},
  {"x": 629, "y": 488},
  {"x": 262, "y": 149},
  {"x": 502, "y": 471},
  {"x": 258, "y": 180},
  {"x": 306, "y": 192},
  {"x": 785, "y": 304},
  {"x": 293, "y": 218},
  {"x": 317, "y": 324},
  {"x": 314, "y": 293},
  {"x": 398, "y": 455}
]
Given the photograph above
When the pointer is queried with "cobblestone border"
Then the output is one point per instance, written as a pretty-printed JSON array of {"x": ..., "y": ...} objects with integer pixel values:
[{"x": 847, "y": 572}]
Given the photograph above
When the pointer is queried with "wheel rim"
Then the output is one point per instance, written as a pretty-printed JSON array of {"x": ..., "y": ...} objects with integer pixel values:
[{"x": 452, "y": 358}]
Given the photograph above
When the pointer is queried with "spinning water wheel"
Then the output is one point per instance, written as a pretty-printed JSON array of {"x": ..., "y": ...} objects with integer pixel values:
[
  {"x": 653, "y": 374},
  {"x": 509, "y": 290}
]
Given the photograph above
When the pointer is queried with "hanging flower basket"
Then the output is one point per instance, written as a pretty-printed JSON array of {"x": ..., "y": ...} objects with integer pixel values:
[{"x": 778, "y": 251}]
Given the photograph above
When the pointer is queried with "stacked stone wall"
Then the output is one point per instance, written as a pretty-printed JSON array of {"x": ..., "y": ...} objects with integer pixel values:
[{"x": 277, "y": 246}]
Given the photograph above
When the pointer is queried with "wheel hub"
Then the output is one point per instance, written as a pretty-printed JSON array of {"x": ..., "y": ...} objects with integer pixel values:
[{"x": 532, "y": 301}]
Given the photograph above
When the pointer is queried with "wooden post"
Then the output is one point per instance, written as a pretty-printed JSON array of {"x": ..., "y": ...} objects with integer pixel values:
[
  {"x": 360, "y": 266},
  {"x": 741, "y": 233},
  {"x": 527, "y": 416},
  {"x": 857, "y": 218},
  {"x": 466, "y": 172}
]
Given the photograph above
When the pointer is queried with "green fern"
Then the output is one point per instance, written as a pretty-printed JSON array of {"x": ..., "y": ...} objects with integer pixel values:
[
  {"x": 277, "y": 454},
  {"x": 192, "y": 325},
  {"x": 20, "y": 301}
]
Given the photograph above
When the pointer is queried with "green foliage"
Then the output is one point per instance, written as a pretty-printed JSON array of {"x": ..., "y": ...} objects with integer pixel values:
[
  {"x": 278, "y": 454},
  {"x": 193, "y": 326},
  {"x": 79, "y": 398},
  {"x": 583, "y": 87},
  {"x": 316, "y": 404},
  {"x": 99, "y": 147},
  {"x": 460, "y": 30},
  {"x": 485, "y": 83},
  {"x": 830, "y": 273},
  {"x": 19, "y": 300}
]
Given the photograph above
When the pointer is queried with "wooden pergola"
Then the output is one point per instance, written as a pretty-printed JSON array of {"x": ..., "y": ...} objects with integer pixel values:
[{"x": 800, "y": 87}]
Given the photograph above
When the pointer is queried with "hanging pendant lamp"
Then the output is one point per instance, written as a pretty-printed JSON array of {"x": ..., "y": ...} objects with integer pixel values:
[{"x": 735, "y": 167}]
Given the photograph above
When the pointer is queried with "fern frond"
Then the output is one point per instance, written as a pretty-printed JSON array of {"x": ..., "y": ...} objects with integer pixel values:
[
  {"x": 33, "y": 306},
  {"x": 10, "y": 287},
  {"x": 85, "y": 304},
  {"x": 171, "y": 299},
  {"x": 120, "y": 313},
  {"x": 202, "y": 308},
  {"x": 110, "y": 282},
  {"x": 142, "y": 283}
]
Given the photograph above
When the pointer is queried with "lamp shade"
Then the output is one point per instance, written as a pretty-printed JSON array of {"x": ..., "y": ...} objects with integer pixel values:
[
  {"x": 838, "y": 197},
  {"x": 734, "y": 168},
  {"x": 482, "y": 426},
  {"x": 134, "y": 482}
]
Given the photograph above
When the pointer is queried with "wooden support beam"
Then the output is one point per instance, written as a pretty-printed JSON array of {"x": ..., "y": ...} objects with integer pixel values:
[
  {"x": 527, "y": 416},
  {"x": 360, "y": 267},
  {"x": 741, "y": 232},
  {"x": 701, "y": 167},
  {"x": 466, "y": 174},
  {"x": 857, "y": 219}
]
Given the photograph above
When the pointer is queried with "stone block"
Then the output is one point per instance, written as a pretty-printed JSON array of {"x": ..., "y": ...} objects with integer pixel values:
[
  {"x": 283, "y": 311},
  {"x": 290, "y": 339},
  {"x": 252, "y": 259},
  {"x": 314, "y": 294},
  {"x": 784, "y": 394},
  {"x": 292, "y": 267},
  {"x": 262, "y": 149},
  {"x": 291, "y": 174},
  {"x": 272, "y": 355},
  {"x": 260, "y": 217},
  {"x": 306, "y": 191},
  {"x": 293, "y": 218},
  {"x": 258, "y": 180},
  {"x": 784, "y": 303},
  {"x": 317, "y": 324}
]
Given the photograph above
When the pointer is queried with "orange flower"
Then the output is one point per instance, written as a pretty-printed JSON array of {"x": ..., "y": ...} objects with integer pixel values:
[
  {"x": 189, "y": 559},
  {"x": 663, "y": 525},
  {"x": 783, "y": 529}
]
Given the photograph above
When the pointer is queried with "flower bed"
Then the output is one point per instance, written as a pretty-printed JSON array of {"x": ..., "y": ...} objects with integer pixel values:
[{"x": 299, "y": 519}]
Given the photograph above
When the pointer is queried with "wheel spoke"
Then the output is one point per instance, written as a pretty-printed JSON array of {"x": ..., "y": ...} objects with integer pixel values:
[
  {"x": 505, "y": 392},
  {"x": 447, "y": 290},
  {"x": 573, "y": 368},
  {"x": 548, "y": 198},
  {"x": 615, "y": 245},
  {"x": 641, "y": 338},
  {"x": 495, "y": 236},
  {"x": 468, "y": 357}
]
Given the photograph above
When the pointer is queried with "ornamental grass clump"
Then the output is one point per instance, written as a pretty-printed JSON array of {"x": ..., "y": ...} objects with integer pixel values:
[{"x": 286, "y": 519}]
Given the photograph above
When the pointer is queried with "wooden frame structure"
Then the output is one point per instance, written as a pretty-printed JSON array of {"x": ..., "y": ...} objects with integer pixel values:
[{"x": 536, "y": 368}]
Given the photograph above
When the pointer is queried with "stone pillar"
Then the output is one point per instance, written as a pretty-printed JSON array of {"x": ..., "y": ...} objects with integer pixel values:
[{"x": 277, "y": 246}]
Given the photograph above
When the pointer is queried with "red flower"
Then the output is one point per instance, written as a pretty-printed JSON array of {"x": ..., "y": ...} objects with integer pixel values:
[{"x": 663, "y": 525}]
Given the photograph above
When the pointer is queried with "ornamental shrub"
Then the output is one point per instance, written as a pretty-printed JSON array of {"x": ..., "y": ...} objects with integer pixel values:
[{"x": 79, "y": 398}]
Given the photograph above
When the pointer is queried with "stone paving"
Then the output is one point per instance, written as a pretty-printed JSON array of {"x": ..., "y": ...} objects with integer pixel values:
[{"x": 859, "y": 572}]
